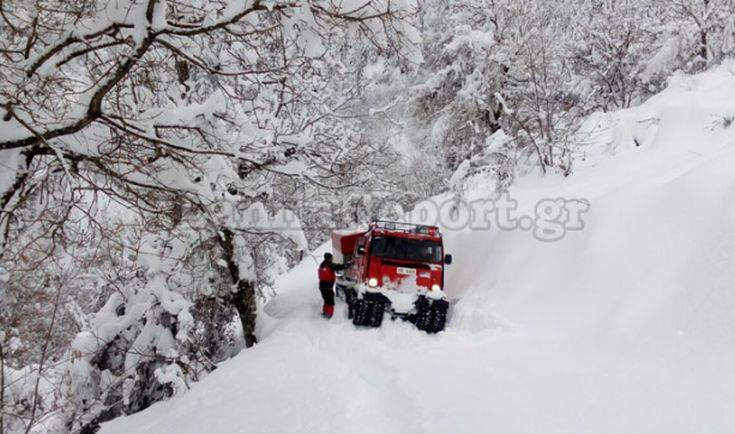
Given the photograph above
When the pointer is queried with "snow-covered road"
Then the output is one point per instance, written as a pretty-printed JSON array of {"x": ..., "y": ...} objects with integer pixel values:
[{"x": 313, "y": 376}]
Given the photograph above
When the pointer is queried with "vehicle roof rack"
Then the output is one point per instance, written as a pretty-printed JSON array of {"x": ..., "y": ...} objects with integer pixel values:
[{"x": 410, "y": 228}]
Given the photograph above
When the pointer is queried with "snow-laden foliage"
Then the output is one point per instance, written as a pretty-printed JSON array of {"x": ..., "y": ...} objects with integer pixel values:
[
  {"x": 142, "y": 137},
  {"x": 534, "y": 69},
  {"x": 457, "y": 101},
  {"x": 149, "y": 341},
  {"x": 704, "y": 31}
]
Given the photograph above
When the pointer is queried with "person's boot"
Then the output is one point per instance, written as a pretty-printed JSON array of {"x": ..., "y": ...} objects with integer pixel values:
[{"x": 328, "y": 311}]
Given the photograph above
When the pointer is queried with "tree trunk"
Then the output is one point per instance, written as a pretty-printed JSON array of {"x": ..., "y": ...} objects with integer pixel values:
[
  {"x": 243, "y": 297},
  {"x": 703, "y": 45},
  {"x": 244, "y": 302},
  {"x": 703, "y": 49}
]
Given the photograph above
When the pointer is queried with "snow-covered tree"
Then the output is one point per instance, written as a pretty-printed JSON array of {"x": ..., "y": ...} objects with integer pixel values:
[
  {"x": 189, "y": 116},
  {"x": 457, "y": 100},
  {"x": 707, "y": 30},
  {"x": 611, "y": 59}
]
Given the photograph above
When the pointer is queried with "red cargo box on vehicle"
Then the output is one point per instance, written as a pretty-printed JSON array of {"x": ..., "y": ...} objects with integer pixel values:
[{"x": 343, "y": 244}]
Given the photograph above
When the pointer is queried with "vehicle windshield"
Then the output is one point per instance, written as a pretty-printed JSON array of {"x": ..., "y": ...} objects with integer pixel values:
[{"x": 406, "y": 249}]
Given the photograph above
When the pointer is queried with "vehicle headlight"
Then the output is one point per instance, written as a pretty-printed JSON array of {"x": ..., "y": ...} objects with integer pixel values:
[
  {"x": 436, "y": 287},
  {"x": 372, "y": 282}
]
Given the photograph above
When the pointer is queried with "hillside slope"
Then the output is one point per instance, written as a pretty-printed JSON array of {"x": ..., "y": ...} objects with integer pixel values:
[{"x": 624, "y": 327}]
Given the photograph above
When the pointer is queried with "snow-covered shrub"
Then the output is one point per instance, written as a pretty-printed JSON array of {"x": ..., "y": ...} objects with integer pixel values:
[{"x": 165, "y": 326}]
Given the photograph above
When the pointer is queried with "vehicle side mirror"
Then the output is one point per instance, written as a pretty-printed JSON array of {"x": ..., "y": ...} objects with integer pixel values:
[
  {"x": 360, "y": 250},
  {"x": 448, "y": 259}
]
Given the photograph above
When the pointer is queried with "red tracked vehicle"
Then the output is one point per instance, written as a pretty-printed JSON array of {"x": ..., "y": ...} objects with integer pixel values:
[{"x": 396, "y": 268}]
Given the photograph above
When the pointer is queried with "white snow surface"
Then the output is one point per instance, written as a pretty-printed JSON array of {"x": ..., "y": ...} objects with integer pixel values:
[{"x": 627, "y": 326}]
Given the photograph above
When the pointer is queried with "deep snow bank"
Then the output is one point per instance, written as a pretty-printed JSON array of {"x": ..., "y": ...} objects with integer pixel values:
[
  {"x": 654, "y": 264},
  {"x": 624, "y": 327}
]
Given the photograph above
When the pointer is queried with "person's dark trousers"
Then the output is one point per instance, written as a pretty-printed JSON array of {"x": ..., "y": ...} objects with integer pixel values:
[{"x": 328, "y": 296}]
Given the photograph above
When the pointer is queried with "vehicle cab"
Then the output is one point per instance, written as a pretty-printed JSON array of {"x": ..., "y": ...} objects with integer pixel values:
[{"x": 393, "y": 255}]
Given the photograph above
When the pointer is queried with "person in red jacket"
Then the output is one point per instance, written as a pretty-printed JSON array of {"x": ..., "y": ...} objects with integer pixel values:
[{"x": 326, "y": 283}]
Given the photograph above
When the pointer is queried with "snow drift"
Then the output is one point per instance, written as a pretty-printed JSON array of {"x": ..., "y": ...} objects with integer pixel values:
[{"x": 624, "y": 327}]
